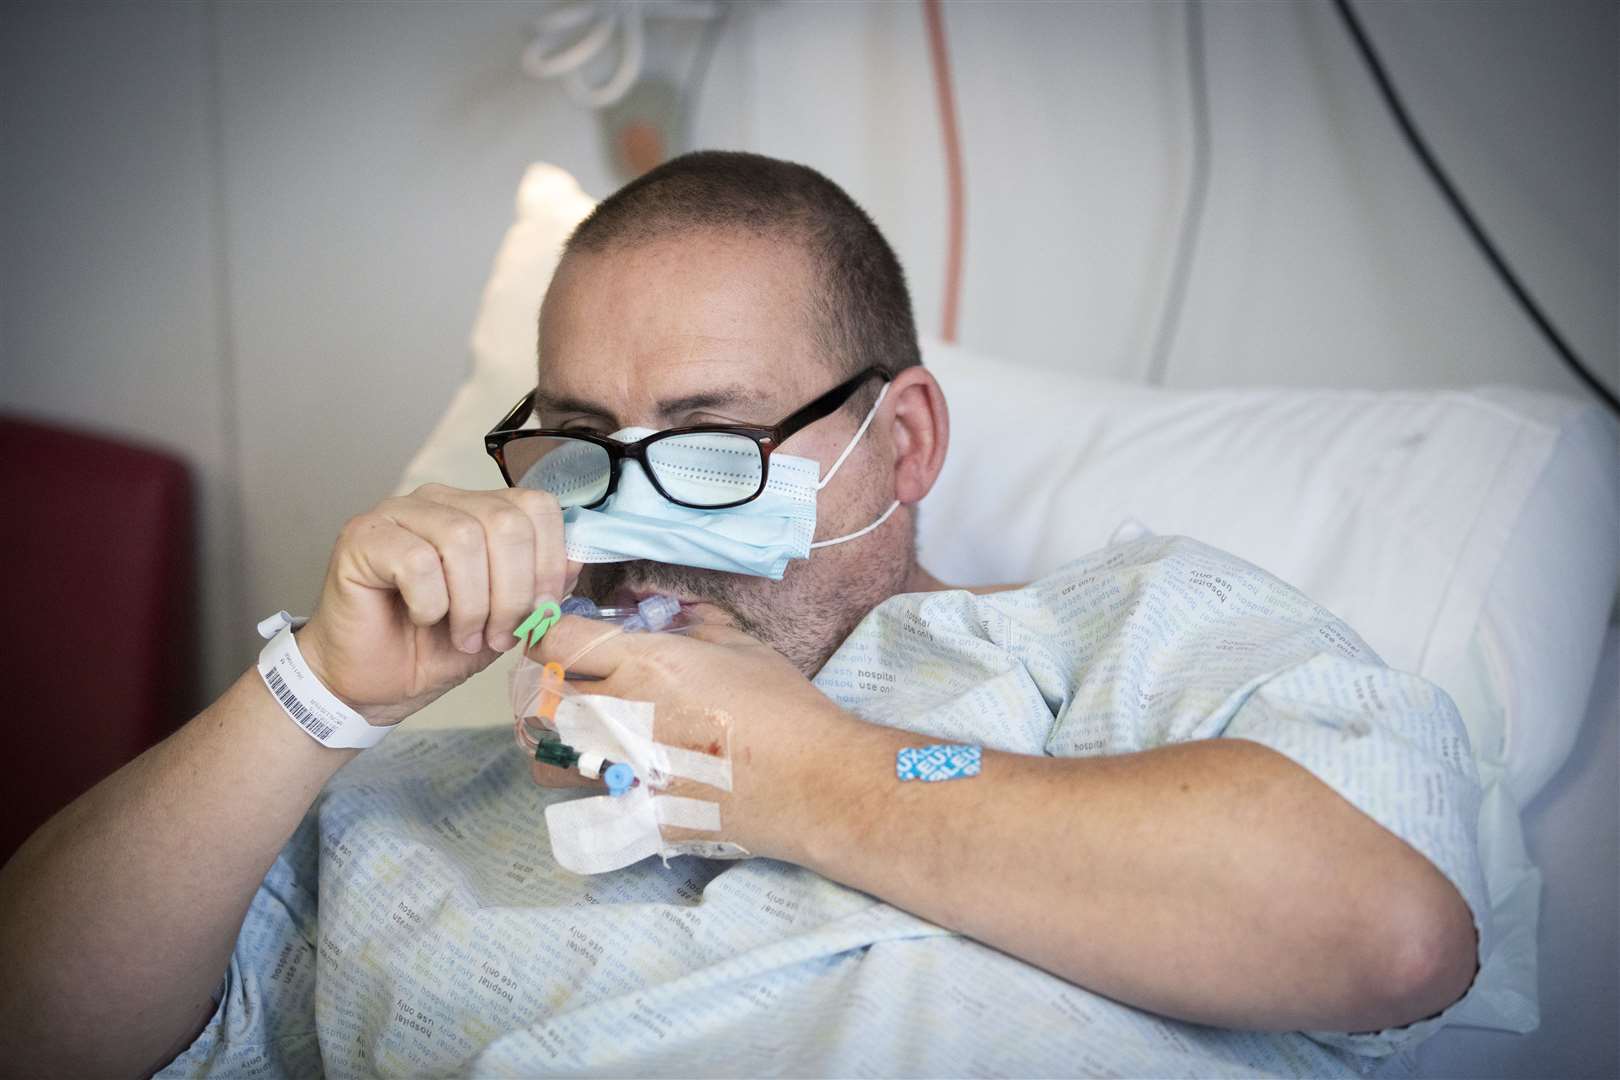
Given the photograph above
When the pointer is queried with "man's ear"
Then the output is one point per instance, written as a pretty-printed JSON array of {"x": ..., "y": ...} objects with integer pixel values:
[{"x": 920, "y": 429}]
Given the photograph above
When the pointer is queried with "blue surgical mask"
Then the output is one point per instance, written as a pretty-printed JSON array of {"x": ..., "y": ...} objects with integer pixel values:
[{"x": 757, "y": 538}]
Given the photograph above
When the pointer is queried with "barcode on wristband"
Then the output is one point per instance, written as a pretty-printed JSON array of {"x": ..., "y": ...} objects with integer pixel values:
[{"x": 295, "y": 708}]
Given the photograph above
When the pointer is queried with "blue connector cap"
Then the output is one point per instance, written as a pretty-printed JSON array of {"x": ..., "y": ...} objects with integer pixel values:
[
  {"x": 659, "y": 611},
  {"x": 619, "y": 778},
  {"x": 579, "y": 605}
]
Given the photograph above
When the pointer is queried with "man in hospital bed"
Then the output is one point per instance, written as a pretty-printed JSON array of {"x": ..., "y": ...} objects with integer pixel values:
[{"x": 1181, "y": 805}]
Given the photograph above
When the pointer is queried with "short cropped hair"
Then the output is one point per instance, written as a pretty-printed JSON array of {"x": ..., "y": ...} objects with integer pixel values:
[{"x": 862, "y": 310}]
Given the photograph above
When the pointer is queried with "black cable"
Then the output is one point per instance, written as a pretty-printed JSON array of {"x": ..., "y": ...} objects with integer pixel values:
[
  {"x": 1470, "y": 222},
  {"x": 1192, "y": 217}
]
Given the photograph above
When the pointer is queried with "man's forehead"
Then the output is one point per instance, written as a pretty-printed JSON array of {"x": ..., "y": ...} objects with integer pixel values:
[
  {"x": 654, "y": 325},
  {"x": 709, "y": 374}
]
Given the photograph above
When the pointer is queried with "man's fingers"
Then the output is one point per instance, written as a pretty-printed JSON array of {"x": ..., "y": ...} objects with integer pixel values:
[
  {"x": 588, "y": 647},
  {"x": 525, "y": 543},
  {"x": 459, "y": 539},
  {"x": 722, "y": 634},
  {"x": 554, "y": 575},
  {"x": 498, "y": 553},
  {"x": 388, "y": 556},
  {"x": 585, "y": 646},
  {"x": 510, "y": 544}
]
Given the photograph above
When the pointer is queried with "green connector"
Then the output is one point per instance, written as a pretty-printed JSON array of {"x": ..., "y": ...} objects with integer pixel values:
[
  {"x": 541, "y": 619},
  {"x": 556, "y": 752}
]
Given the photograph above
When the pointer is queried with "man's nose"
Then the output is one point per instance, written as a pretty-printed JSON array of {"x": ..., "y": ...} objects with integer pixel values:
[{"x": 634, "y": 475}]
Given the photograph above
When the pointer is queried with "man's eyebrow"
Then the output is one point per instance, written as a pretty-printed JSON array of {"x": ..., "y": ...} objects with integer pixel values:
[
  {"x": 553, "y": 403},
  {"x": 717, "y": 398}
]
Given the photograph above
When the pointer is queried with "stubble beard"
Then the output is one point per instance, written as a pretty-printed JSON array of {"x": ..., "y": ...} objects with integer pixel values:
[{"x": 806, "y": 616}]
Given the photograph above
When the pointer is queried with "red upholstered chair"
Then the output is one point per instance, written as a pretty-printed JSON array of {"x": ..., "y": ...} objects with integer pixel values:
[{"x": 98, "y": 641}]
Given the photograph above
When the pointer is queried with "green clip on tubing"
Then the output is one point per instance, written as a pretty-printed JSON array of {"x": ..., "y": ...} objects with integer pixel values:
[{"x": 532, "y": 629}]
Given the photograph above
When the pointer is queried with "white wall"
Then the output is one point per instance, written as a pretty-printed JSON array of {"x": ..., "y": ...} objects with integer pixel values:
[
  {"x": 256, "y": 233},
  {"x": 1327, "y": 255},
  {"x": 371, "y": 156}
]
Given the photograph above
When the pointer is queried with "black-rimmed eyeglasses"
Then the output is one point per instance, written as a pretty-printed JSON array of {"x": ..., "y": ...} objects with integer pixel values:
[{"x": 705, "y": 466}]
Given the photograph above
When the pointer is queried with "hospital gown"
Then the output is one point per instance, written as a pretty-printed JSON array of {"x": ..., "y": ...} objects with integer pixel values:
[{"x": 416, "y": 923}]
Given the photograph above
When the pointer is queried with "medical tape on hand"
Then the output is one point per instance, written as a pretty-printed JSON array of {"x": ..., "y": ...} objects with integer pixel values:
[
  {"x": 605, "y": 832},
  {"x": 685, "y": 813},
  {"x": 643, "y": 751},
  {"x": 602, "y": 833},
  {"x": 621, "y": 730},
  {"x": 657, "y": 761},
  {"x": 599, "y": 834},
  {"x": 692, "y": 764}
]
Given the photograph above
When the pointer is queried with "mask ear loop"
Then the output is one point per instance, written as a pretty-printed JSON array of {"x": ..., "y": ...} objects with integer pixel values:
[
  {"x": 858, "y": 533},
  {"x": 871, "y": 414}
]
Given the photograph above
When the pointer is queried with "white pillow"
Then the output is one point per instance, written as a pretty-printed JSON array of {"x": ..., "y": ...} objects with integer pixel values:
[
  {"x": 1539, "y": 638},
  {"x": 504, "y": 337},
  {"x": 1472, "y": 537}
]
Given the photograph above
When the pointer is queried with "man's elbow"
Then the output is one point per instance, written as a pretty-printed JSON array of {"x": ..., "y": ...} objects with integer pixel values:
[{"x": 1428, "y": 954}]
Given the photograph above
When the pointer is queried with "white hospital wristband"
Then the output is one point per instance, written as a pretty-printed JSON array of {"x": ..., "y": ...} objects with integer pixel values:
[{"x": 304, "y": 697}]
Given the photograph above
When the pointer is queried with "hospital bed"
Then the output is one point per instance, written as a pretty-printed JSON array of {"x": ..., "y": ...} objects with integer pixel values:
[{"x": 1470, "y": 536}]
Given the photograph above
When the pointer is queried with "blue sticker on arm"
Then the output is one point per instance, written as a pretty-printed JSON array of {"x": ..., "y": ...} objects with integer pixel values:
[{"x": 943, "y": 761}]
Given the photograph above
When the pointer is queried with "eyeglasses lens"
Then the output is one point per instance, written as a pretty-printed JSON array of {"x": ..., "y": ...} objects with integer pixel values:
[
  {"x": 575, "y": 471},
  {"x": 707, "y": 468}
]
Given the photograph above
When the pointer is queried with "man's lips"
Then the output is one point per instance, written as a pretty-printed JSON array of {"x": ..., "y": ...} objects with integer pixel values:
[
  {"x": 625, "y": 596},
  {"x": 695, "y": 610}
]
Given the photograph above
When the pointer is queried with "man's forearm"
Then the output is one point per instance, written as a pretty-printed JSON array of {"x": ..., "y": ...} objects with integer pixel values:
[
  {"x": 1216, "y": 881},
  {"x": 118, "y": 916}
]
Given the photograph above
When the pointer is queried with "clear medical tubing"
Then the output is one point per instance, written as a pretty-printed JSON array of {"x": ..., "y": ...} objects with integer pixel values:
[
  {"x": 654, "y": 613},
  {"x": 537, "y": 689}
]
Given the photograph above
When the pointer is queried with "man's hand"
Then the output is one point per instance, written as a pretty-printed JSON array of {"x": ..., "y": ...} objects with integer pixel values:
[
  {"x": 775, "y": 720},
  {"x": 125, "y": 905},
  {"x": 1168, "y": 879},
  {"x": 425, "y": 590}
]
